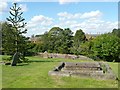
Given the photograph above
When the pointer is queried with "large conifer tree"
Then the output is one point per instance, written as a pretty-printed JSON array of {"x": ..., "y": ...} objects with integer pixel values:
[{"x": 18, "y": 26}]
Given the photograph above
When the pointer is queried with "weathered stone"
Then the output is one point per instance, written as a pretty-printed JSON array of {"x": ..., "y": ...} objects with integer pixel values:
[
  {"x": 15, "y": 59},
  {"x": 84, "y": 69},
  {"x": 65, "y": 56},
  {"x": 60, "y": 67},
  {"x": 45, "y": 54}
]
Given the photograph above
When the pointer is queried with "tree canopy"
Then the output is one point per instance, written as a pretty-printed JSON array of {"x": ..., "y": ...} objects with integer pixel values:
[
  {"x": 12, "y": 32},
  {"x": 78, "y": 39},
  {"x": 107, "y": 47}
]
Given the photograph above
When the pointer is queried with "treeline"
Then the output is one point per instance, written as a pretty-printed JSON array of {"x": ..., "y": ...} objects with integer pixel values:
[
  {"x": 57, "y": 40},
  {"x": 102, "y": 47}
]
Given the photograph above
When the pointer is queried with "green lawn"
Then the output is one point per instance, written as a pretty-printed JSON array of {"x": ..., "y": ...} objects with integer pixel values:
[
  {"x": 35, "y": 75},
  {"x": 0, "y": 72}
]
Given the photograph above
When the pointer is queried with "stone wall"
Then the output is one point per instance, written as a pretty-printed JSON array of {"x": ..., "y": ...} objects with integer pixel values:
[
  {"x": 84, "y": 69},
  {"x": 66, "y": 56}
]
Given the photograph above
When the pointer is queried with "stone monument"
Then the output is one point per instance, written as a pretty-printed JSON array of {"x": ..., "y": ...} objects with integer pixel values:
[{"x": 15, "y": 59}]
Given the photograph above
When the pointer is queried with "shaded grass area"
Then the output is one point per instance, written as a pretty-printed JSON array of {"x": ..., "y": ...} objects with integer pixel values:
[{"x": 35, "y": 75}]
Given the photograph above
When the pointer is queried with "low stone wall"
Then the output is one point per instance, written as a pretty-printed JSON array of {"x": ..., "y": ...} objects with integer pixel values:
[
  {"x": 91, "y": 69},
  {"x": 66, "y": 56}
]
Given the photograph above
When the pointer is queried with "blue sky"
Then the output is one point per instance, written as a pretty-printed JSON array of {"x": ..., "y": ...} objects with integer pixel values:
[{"x": 91, "y": 17}]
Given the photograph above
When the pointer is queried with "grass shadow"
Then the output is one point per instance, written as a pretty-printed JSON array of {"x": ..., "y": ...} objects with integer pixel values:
[{"x": 22, "y": 64}]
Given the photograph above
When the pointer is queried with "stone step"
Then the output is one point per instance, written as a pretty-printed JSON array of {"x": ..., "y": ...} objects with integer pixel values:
[{"x": 87, "y": 69}]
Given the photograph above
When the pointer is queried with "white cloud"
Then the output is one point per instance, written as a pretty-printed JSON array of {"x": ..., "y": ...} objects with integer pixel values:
[
  {"x": 23, "y": 7},
  {"x": 37, "y": 31},
  {"x": 39, "y": 24},
  {"x": 45, "y": 21},
  {"x": 92, "y": 14},
  {"x": 90, "y": 22},
  {"x": 64, "y": 1},
  {"x": 97, "y": 26},
  {"x": 67, "y": 24},
  {"x": 67, "y": 1},
  {"x": 3, "y": 6},
  {"x": 65, "y": 15}
]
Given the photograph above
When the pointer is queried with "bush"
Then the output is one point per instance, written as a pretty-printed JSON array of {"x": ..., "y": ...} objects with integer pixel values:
[{"x": 105, "y": 47}]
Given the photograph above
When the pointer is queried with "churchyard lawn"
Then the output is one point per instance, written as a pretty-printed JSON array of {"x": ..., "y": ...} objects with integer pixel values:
[{"x": 35, "y": 75}]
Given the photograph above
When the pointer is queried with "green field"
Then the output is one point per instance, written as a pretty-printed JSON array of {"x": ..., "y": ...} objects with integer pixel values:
[{"x": 35, "y": 75}]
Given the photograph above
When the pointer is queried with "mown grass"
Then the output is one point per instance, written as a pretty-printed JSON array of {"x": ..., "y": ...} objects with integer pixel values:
[
  {"x": 35, "y": 75},
  {"x": 0, "y": 72}
]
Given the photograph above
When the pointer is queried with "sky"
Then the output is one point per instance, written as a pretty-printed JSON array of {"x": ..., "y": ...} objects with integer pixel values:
[{"x": 92, "y": 17}]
